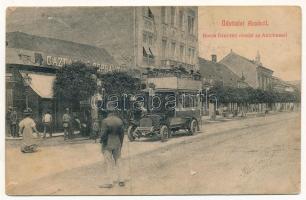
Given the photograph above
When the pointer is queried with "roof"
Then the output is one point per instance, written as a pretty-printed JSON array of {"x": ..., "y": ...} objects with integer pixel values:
[
  {"x": 20, "y": 40},
  {"x": 279, "y": 81},
  {"x": 218, "y": 72},
  {"x": 296, "y": 83},
  {"x": 241, "y": 65}
]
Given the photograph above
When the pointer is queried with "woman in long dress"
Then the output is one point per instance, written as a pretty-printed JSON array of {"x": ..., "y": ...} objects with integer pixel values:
[{"x": 27, "y": 128}]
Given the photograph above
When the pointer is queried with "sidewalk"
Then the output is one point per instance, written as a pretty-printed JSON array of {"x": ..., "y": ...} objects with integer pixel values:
[
  {"x": 220, "y": 118},
  {"x": 59, "y": 134}
]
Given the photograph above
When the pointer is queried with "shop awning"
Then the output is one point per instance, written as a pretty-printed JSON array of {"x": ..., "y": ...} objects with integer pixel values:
[{"x": 41, "y": 83}]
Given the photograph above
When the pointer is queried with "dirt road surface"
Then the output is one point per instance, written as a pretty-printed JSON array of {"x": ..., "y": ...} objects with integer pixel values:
[{"x": 250, "y": 156}]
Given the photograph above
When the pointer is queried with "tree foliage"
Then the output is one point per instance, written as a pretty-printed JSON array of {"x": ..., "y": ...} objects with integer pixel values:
[
  {"x": 227, "y": 94},
  {"x": 119, "y": 83},
  {"x": 74, "y": 83}
]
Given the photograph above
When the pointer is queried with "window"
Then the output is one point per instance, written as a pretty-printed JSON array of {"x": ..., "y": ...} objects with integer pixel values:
[
  {"x": 144, "y": 52},
  {"x": 147, "y": 38},
  {"x": 189, "y": 55},
  {"x": 182, "y": 52},
  {"x": 163, "y": 15},
  {"x": 150, "y": 39},
  {"x": 181, "y": 19},
  {"x": 148, "y": 13},
  {"x": 151, "y": 53},
  {"x": 148, "y": 56},
  {"x": 172, "y": 49},
  {"x": 192, "y": 56},
  {"x": 164, "y": 47},
  {"x": 144, "y": 35},
  {"x": 191, "y": 23},
  {"x": 172, "y": 16}
]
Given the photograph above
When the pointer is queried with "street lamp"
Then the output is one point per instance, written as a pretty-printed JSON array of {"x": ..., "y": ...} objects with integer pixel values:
[{"x": 26, "y": 82}]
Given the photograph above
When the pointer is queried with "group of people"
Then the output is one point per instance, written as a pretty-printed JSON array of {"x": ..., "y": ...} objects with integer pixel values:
[
  {"x": 73, "y": 122},
  {"x": 12, "y": 122},
  {"x": 111, "y": 134}
]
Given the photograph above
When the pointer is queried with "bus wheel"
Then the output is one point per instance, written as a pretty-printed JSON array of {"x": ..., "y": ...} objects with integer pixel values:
[
  {"x": 164, "y": 133},
  {"x": 193, "y": 127},
  {"x": 130, "y": 132}
]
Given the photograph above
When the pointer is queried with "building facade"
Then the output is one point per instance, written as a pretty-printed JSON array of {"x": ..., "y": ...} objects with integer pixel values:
[
  {"x": 213, "y": 73},
  {"x": 253, "y": 71},
  {"x": 31, "y": 65},
  {"x": 282, "y": 86},
  {"x": 151, "y": 37}
]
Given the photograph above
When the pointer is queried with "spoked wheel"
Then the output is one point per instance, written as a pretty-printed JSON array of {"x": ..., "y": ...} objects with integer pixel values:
[
  {"x": 130, "y": 133},
  {"x": 193, "y": 127},
  {"x": 164, "y": 133}
]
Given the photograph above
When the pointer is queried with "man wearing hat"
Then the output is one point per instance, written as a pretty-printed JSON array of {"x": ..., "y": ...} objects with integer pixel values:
[
  {"x": 8, "y": 121},
  {"x": 112, "y": 134},
  {"x": 27, "y": 128},
  {"x": 13, "y": 122}
]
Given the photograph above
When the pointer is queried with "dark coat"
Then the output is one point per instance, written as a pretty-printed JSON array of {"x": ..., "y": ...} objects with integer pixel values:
[{"x": 111, "y": 125}]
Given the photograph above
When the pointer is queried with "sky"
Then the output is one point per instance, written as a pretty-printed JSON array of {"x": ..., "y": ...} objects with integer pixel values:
[{"x": 282, "y": 55}]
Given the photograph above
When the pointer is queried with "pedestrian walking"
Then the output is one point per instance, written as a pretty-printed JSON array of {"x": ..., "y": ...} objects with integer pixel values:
[
  {"x": 112, "y": 134},
  {"x": 13, "y": 123},
  {"x": 27, "y": 128},
  {"x": 85, "y": 125},
  {"x": 67, "y": 125},
  {"x": 47, "y": 122}
]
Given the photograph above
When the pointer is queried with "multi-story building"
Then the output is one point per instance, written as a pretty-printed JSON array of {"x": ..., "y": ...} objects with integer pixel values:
[
  {"x": 151, "y": 37},
  {"x": 253, "y": 71}
]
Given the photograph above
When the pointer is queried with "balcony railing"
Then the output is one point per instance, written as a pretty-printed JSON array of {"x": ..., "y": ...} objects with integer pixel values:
[{"x": 175, "y": 63}]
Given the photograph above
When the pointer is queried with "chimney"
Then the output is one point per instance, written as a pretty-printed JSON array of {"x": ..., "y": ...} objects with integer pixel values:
[{"x": 214, "y": 58}]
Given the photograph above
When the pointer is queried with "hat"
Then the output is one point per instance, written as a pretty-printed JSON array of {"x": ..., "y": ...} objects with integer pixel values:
[
  {"x": 67, "y": 109},
  {"x": 10, "y": 107}
]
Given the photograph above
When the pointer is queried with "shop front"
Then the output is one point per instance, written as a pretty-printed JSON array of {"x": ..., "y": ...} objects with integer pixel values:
[{"x": 31, "y": 65}]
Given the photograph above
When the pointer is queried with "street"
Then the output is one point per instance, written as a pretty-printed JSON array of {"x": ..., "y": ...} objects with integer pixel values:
[{"x": 259, "y": 155}]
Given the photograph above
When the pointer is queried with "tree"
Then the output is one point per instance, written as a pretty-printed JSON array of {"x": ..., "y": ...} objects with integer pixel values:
[
  {"x": 74, "y": 83},
  {"x": 119, "y": 83}
]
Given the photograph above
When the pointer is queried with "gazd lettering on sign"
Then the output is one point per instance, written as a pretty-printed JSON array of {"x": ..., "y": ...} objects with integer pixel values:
[{"x": 58, "y": 61}]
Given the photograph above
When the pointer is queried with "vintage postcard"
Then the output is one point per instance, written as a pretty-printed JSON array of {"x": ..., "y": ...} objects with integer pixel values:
[{"x": 153, "y": 100}]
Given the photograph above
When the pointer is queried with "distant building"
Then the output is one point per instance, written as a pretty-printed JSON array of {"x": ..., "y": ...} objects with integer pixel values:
[
  {"x": 36, "y": 59},
  {"x": 296, "y": 84},
  {"x": 253, "y": 71},
  {"x": 213, "y": 73},
  {"x": 151, "y": 37},
  {"x": 282, "y": 86}
]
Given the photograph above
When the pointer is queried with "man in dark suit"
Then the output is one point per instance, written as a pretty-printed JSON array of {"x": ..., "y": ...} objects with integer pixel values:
[{"x": 112, "y": 134}]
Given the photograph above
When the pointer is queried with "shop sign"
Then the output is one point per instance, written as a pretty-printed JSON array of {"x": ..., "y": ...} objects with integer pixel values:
[
  {"x": 107, "y": 68},
  {"x": 58, "y": 61}
]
